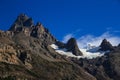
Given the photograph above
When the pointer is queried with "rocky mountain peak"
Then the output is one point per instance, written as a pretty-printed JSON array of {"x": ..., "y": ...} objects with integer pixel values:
[
  {"x": 38, "y": 24},
  {"x": 22, "y": 17},
  {"x": 105, "y": 40},
  {"x": 106, "y": 45},
  {"x": 40, "y": 27},
  {"x": 21, "y": 22},
  {"x": 72, "y": 42},
  {"x": 25, "y": 25},
  {"x": 72, "y": 46}
]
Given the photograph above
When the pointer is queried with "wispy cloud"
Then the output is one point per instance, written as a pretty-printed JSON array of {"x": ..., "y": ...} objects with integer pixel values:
[
  {"x": 67, "y": 37},
  {"x": 83, "y": 41},
  {"x": 70, "y": 35}
]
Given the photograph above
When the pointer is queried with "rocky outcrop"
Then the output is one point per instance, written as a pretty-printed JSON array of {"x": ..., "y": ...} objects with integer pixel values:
[
  {"x": 42, "y": 33},
  {"x": 73, "y": 47},
  {"x": 25, "y": 25},
  {"x": 60, "y": 44},
  {"x": 25, "y": 57},
  {"x": 106, "y": 45},
  {"x": 8, "y": 54},
  {"x": 21, "y": 21}
]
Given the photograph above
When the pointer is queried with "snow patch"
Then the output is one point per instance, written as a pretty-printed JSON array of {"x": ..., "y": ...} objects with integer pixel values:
[
  {"x": 54, "y": 46},
  {"x": 90, "y": 55},
  {"x": 86, "y": 53},
  {"x": 62, "y": 51}
]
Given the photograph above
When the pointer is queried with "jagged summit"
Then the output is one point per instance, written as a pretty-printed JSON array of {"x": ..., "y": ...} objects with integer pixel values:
[
  {"x": 38, "y": 24},
  {"x": 106, "y": 45},
  {"x": 72, "y": 46},
  {"x": 25, "y": 25},
  {"x": 21, "y": 22},
  {"x": 22, "y": 17}
]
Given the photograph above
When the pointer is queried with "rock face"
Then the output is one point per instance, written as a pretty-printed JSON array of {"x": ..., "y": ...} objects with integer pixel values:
[
  {"x": 24, "y": 24},
  {"x": 60, "y": 44},
  {"x": 105, "y": 45},
  {"x": 21, "y": 21},
  {"x": 73, "y": 47}
]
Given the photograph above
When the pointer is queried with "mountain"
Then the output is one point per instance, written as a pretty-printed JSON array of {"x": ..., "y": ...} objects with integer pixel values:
[
  {"x": 106, "y": 45},
  {"x": 29, "y": 51},
  {"x": 72, "y": 46}
]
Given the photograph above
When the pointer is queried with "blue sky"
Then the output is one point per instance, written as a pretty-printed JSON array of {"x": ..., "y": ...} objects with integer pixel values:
[{"x": 62, "y": 17}]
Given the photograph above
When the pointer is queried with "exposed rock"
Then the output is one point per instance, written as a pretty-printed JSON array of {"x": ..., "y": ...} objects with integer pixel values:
[
  {"x": 38, "y": 31},
  {"x": 60, "y": 44},
  {"x": 8, "y": 54},
  {"x": 106, "y": 45},
  {"x": 43, "y": 34},
  {"x": 28, "y": 23},
  {"x": 21, "y": 23},
  {"x": 25, "y": 57},
  {"x": 25, "y": 25},
  {"x": 72, "y": 46},
  {"x": 22, "y": 18}
]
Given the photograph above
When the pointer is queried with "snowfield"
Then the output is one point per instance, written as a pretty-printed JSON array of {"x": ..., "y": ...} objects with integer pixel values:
[{"x": 89, "y": 54}]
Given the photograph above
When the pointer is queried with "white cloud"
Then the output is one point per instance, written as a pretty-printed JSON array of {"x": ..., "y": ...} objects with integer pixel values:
[
  {"x": 72, "y": 34},
  {"x": 90, "y": 39},
  {"x": 94, "y": 40},
  {"x": 67, "y": 37}
]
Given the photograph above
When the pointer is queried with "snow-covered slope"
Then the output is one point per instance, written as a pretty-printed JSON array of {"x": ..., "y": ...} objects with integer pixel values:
[{"x": 87, "y": 53}]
